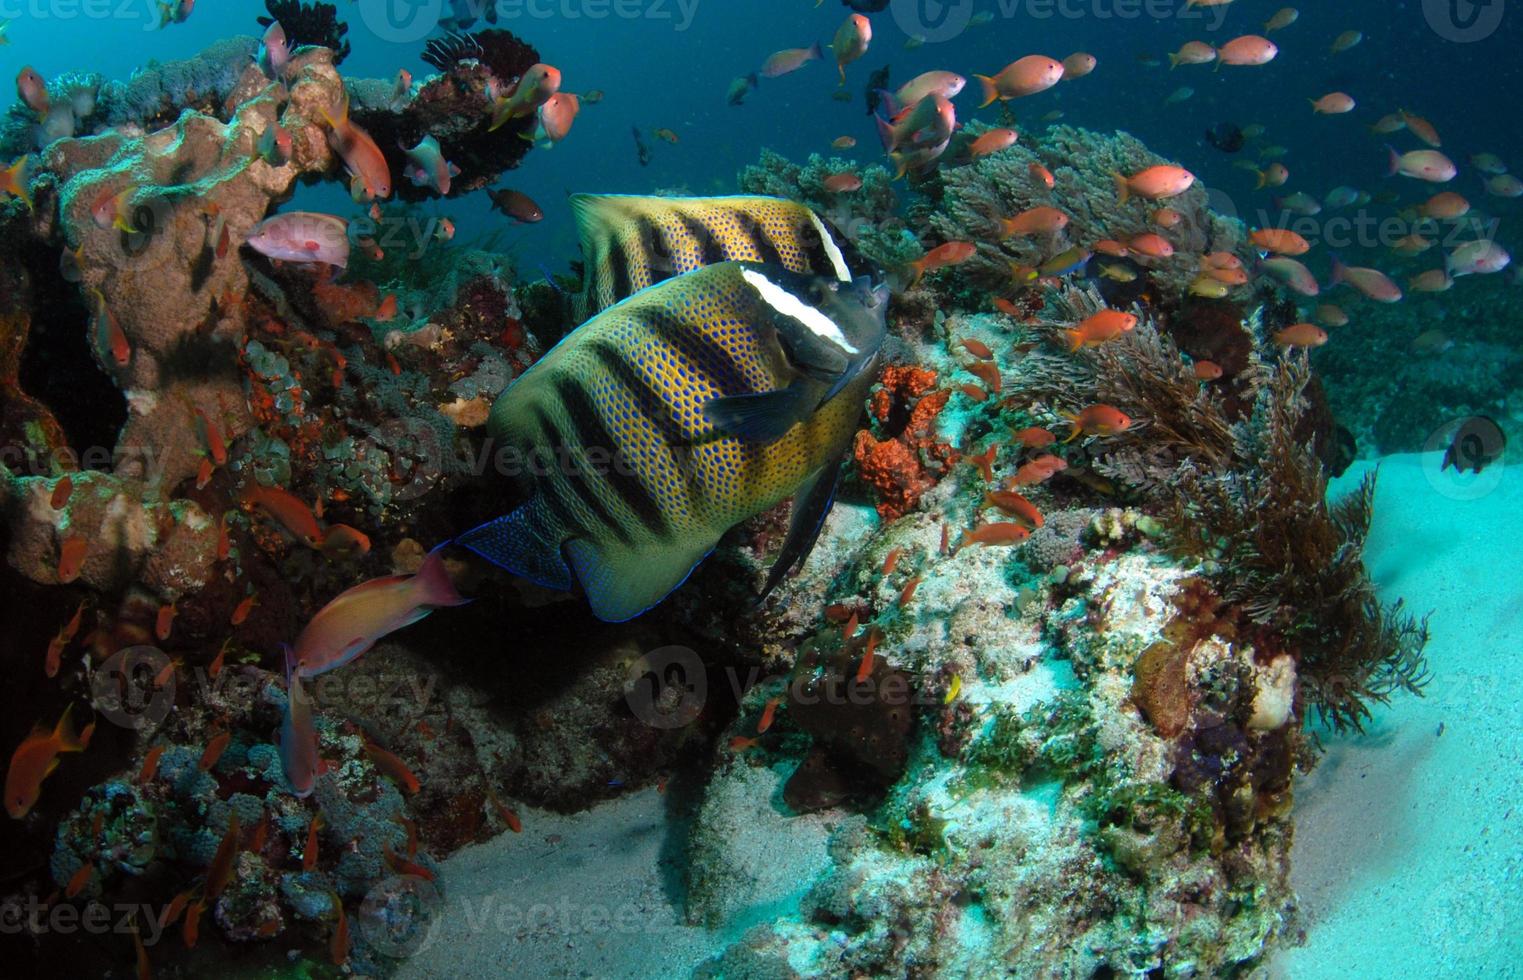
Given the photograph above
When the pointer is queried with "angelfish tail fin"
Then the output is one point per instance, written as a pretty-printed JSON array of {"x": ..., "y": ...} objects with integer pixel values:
[{"x": 526, "y": 542}]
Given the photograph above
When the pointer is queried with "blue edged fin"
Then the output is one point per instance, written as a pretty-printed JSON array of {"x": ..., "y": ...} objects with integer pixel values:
[
  {"x": 810, "y": 506},
  {"x": 764, "y": 417},
  {"x": 526, "y": 542},
  {"x": 622, "y": 583}
]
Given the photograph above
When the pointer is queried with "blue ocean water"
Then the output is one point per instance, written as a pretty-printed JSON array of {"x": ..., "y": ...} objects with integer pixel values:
[{"x": 665, "y": 63}]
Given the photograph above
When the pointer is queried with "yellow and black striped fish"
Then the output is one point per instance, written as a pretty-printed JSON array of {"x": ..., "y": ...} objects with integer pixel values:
[
  {"x": 669, "y": 418},
  {"x": 631, "y": 242}
]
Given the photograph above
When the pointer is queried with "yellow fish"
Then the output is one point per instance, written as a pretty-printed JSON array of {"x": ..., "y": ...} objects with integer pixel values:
[{"x": 661, "y": 423}]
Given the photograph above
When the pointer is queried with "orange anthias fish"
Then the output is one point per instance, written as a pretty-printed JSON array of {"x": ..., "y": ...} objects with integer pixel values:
[
  {"x": 150, "y": 765},
  {"x": 768, "y": 713},
  {"x": 1015, "y": 505},
  {"x": 1035, "y": 437},
  {"x": 36, "y": 757},
  {"x": 220, "y": 872},
  {"x": 392, "y": 766},
  {"x": 309, "y": 854},
  {"x": 366, "y": 163},
  {"x": 1097, "y": 420},
  {"x": 1039, "y": 470},
  {"x": 341, "y": 540},
  {"x": 62, "y": 490},
  {"x": 214, "y": 749},
  {"x": 61, "y": 641},
  {"x": 71, "y": 557},
  {"x": 995, "y": 534},
  {"x": 1041, "y": 220},
  {"x": 1103, "y": 326},
  {"x": 952, "y": 253},
  {"x": 287, "y": 509}
]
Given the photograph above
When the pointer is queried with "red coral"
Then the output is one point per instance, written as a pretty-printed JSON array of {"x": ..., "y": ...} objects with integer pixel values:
[{"x": 908, "y": 463}]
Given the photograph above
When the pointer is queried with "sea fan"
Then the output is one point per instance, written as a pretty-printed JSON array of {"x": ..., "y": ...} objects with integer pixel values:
[
  {"x": 309, "y": 23},
  {"x": 444, "y": 52}
]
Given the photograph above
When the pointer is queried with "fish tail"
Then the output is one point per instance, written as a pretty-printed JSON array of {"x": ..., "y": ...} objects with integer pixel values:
[
  {"x": 885, "y": 132},
  {"x": 64, "y": 733},
  {"x": 1174, "y": 61},
  {"x": 15, "y": 177},
  {"x": 1263, "y": 180},
  {"x": 1393, "y": 161},
  {"x": 1123, "y": 190},
  {"x": 433, "y": 584},
  {"x": 815, "y": 52},
  {"x": 1077, "y": 427},
  {"x": 991, "y": 91}
]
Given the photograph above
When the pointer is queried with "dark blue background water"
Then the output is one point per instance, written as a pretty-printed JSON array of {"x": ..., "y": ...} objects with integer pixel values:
[{"x": 656, "y": 74}]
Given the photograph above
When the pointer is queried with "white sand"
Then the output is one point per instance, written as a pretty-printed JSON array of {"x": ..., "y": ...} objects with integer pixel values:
[{"x": 1409, "y": 843}]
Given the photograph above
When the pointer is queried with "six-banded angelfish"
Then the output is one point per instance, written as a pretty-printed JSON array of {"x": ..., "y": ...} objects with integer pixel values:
[
  {"x": 669, "y": 418},
  {"x": 631, "y": 242}
]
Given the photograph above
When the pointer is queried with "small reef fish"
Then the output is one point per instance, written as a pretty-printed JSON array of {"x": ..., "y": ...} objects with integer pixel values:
[
  {"x": 1015, "y": 505},
  {"x": 1345, "y": 41},
  {"x": 926, "y": 124},
  {"x": 1207, "y": 370},
  {"x": 666, "y": 135},
  {"x": 401, "y": 89},
  {"x": 1373, "y": 283},
  {"x": 1281, "y": 241},
  {"x": 538, "y": 84},
  {"x": 274, "y": 51},
  {"x": 1480, "y": 256},
  {"x": 1333, "y": 104},
  {"x": 1246, "y": 51},
  {"x": 1040, "y": 220},
  {"x": 1429, "y": 165},
  {"x": 363, "y": 159},
  {"x": 71, "y": 557},
  {"x": 1155, "y": 183},
  {"x": 940, "y": 257},
  {"x": 298, "y": 737},
  {"x": 790, "y": 60},
  {"x": 516, "y": 205},
  {"x": 32, "y": 90},
  {"x": 1301, "y": 335},
  {"x": 1035, "y": 437},
  {"x": 851, "y": 42},
  {"x": 630, "y": 242},
  {"x": 36, "y": 757},
  {"x": 286, "y": 509},
  {"x": 274, "y": 145},
  {"x": 844, "y": 183},
  {"x": 992, "y": 142},
  {"x": 359, "y": 617},
  {"x": 393, "y": 767},
  {"x": 113, "y": 209},
  {"x": 427, "y": 166},
  {"x": 1281, "y": 19},
  {"x": 1293, "y": 274},
  {"x": 943, "y": 83},
  {"x": 106, "y": 330},
  {"x": 1192, "y": 53},
  {"x": 14, "y": 180},
  {"x": 1027, "y": 76},
  {"x": 740, "y": 88},
  {"x": 631, "y": 534},
  {"x": 843, "y": 142},
  {"x": 1103, "y": 326},
  {"x": 1001, "y": 533},
  {"x": 1078, "y": 64},
  {"x": 1097, "y": 420},
  {"x": 302, "y": 236},
  {"x": 1038, "y": 470},
  {"x": 556, "y": 116}
]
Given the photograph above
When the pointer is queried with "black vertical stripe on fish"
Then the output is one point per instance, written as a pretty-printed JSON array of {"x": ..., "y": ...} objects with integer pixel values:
[
  {"x": 618, "y": 272},
  {"x": 711, "y": 250},
  {"x": 652, "y": 406},
  {"x": 591, "y": 431},
  {"x": 702, "y": 350},
  {"x": 658, "y": 254},
  {"x": 760, "y": 240},
  {"x": 573, "y": 478},
  {"x": 816, "y": 258}
]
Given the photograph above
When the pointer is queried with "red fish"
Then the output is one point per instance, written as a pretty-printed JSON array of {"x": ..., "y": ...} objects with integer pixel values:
[
  {"x": 891, "y": 560},
  {"x": 220, "y": 871},
  {"x": 341, "y": 540},
  {"x": 768, "y": 713},
  {"x": 338, "y": 943},
  {"x": 164, "y": 623},
  {"x": 1015, "y": 505},
  {"x": 79, "y": 880},
  {"x": 309, "y": 855},
  {"x": 366, "y": 163},
  {"x": 988, "y": 373},
  {"x": 908, "y": 592},
  {"x": 110, "y": 338},
  {"x": 61, "y": 641},
  {"x": 1038, "y": 470},
  {"x": 392, "y": 766},
  {"x": 36, "y": 757},
  {"x": 242, "y": 610},
  {"x": 288, "y": 510},
  {"x": 977, "y": 348},
  {"x": 214, "y": 749},
  {"x": 191, "y": 931},
  {"x": 865, "y": 668},
  {"x": 1035, "y": 437},
  {"x": 71, "y": 557},
  {"x": 940, "y": 257},
  {"x": 150, "y": 765},
  {"x": 974, "y": 392}
]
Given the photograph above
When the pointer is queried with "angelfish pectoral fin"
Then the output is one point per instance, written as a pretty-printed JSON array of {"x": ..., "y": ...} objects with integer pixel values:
[
  {"x": 764, "y": 417},
  {"x": 526, "y": 543},
  {"x": 810, "y": 506}
]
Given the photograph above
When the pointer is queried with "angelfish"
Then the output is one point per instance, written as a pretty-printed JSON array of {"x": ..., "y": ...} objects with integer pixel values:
[{"x": 676, "y": 414}]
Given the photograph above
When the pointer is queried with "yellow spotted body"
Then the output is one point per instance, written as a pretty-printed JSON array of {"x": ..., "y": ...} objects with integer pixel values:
[
  {"x": 631, "y": 242},
  {"x": 643, "y": 486}
]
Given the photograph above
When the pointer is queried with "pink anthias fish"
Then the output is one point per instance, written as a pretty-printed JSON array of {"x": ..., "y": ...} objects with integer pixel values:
[
  {"x": 426, "y": 166},
  {"x": 929, "y": 122},
  {"x": 274, "y": 51},
  {"x": 298, "y": 739},
  {"x": 1481, "y": 256},
  {"x": 303, "y": 236},
  {"x": 358, "y": 618},
  {"x": 1373, "y": 283},
  {"x": 557, "y": 115}
]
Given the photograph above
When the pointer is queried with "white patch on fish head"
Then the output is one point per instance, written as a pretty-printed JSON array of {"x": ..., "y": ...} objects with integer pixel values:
[
  {"x": 837, "y": 260},
  {"x": 791, "y": 306}
]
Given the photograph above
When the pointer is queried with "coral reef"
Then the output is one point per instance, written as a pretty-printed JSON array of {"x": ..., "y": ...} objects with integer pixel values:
[{"x": 307, "y": 23}]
